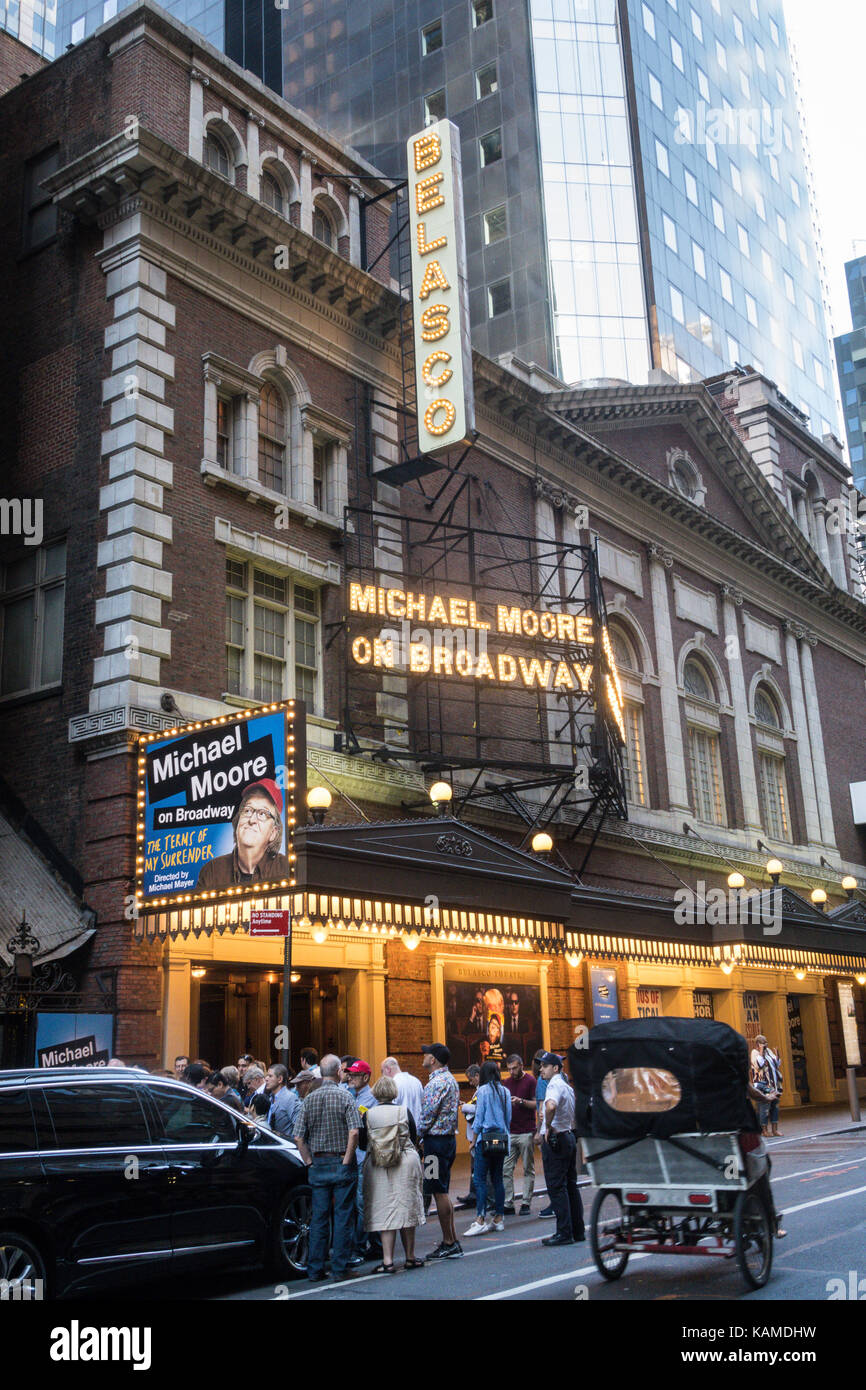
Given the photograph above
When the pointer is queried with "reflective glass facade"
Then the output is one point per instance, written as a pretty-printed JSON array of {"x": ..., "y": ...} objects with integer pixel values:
[
  {"x": 590, "y": 206},
  {"x": 720, "y": 154},
  {"x": 78, "y": 18},
  {"x": 851, "y": 365},
  {"x": 33, "y": 22}
]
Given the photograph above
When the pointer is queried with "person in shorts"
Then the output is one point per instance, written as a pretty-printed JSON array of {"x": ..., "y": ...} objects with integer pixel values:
[{"x": 437, "y": 1130}]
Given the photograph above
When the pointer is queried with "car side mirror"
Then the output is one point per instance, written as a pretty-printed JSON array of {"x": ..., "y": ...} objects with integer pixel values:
[{"x": 245, "y": 1132}]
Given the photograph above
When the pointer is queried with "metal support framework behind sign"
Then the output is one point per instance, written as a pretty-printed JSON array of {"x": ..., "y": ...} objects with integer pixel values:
[{"x": 498, "y": 641}]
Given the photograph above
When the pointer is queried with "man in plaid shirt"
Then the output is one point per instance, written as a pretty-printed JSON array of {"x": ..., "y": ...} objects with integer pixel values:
[
  {"x": 326, "y": 1133},
  {"x": 437, "y": 1129}
]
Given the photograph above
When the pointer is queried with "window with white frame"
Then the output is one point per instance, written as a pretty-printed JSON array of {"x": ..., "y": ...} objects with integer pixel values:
[
  {"x": 633, "y": 753},
  {"x": 272, "y": 194},
  {"x": 31, "y": 613},
  {"x": 775, "y": 814},
  {"x": 323, "y": 229},
  {"x": 217, "y": 156},
  {"x": 273, "y": 442},
  {"x": 705, "y": 775},
  {"x": 272, "y": 635}
]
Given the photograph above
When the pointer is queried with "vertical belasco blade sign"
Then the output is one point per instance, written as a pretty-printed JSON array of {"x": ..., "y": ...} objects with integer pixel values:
[{"x": 440, "y": 295}]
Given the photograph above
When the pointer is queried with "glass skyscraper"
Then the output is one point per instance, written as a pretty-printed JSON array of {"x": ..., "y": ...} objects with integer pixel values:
[
  {"x": 33, "y": 22},
  {"x": 634, "y": 179},
  {"x": 851, "y": 364}
]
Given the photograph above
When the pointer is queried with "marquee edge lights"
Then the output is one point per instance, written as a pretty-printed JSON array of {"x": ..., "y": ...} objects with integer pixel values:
[{"x": 213, "y": 897}]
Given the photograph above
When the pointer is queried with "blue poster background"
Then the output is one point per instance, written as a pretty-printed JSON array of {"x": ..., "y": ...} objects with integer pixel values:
[
  {"x": 52, "y": 1029},
  {"x": 605, "y": 1002},
  {"x": 209, "y": 792}
]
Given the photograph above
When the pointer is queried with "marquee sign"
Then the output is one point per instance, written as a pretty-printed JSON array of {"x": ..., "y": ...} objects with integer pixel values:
[
  {"x": 440, "y": 295},
  {"x": 216, "y": 808},
  {"x": 491, "y": 650}
]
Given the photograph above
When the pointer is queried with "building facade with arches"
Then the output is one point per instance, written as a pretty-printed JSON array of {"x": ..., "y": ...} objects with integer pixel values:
[{"x": 225, "y": 379}]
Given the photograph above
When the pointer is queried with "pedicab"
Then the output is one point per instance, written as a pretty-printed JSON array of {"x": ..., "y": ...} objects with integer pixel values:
[{"x": 673, "y": 1145}]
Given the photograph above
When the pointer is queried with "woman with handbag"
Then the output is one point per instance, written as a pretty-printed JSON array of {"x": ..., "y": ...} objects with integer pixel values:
[
  {"x": 392, "y": 1176},
  {"x": 492, "y": 1126},
  {"x": 766, "y": 1077}
]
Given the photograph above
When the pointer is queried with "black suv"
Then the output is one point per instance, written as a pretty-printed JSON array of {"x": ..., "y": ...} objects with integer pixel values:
[{"x": 112, "y": 1172}]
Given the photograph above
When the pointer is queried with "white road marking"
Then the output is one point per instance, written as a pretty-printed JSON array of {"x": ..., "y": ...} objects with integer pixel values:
[
  {"x": 325, "y": 1285},
  {"x": 825, "y": 1168},
  {"x": 819, "y": 1201},
  {"x": 543, "y": 1283}
]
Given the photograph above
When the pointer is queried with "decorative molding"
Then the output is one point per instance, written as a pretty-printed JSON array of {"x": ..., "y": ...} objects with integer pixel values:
[
  {"x": 732, "y": 595},
  {"x": 621, "y": 566},
  {"x": 321, "y": 421},
  {"x": 230, "y": 375},
  {"x": 454, "y": 844},
  {"x": 679, "y": 455},
  {"x": 198, "y": 76},
  {"x": 254, "y": 545},
  {"x": 695, "y": 605},
  {"x": 117, "y": 720},
  {"x": 662, "y": 557},
  {"x": 761, "y": 637},
  {"x": 558, "y": 497}
]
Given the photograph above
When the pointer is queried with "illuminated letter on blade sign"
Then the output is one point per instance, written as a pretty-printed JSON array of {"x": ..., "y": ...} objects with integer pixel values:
[{"x": 440, "y": 300}]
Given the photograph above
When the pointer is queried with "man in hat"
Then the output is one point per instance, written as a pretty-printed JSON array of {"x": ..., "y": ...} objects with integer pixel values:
[
  {"x": 258, "y": 827},
  {"x": 437, "y": 1130},
  {"x": 559, "y": 1153},
  {"x": 357, "y": 1074}
]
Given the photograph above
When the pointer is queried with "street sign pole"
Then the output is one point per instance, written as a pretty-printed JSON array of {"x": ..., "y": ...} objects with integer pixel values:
[{"x": 287, "y": 994}]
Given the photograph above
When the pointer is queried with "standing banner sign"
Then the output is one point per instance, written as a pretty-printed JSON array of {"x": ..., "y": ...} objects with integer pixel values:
[
  {"x": 440, "y": 291},
  {"x": 849, "y": 1024}
]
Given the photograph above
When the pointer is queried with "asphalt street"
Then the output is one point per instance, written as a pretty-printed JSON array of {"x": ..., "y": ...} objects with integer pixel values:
[{"x": 819, "y": 1182}]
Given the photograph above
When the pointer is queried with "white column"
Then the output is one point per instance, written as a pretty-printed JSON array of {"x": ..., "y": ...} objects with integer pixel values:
[
  {"x": 742, "y": 728},
  {"x": 247, "y": 464},
  {"x": 306, "y": 192},
  {"x": 819, "y": 523},
  {"x": 801, "y": 726},
  {"x": 197, "y": 84},
  {"x": 819, "y": 762},
  {"x": 838, "y": 567},
  {"x": 355, "y": 195},
  {"x": 254, "y": 168},
  {"x": 678, "y": 786}
]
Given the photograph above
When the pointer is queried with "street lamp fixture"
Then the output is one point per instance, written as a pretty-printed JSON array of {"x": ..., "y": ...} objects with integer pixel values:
[
  {"x": 774, "y": 868},
  {"x": 850, "y": 885},
  {"x": 318, "y": 802},
  {"x": 861, "y": 979},
  {"x": 819, "y": 898},
  {"x": 411, "y": 941},
  {"x": 727, "y": 967},
  {"x": 320, "y": 933},
  {"x": 441, "y": 794},
  {"x": 736, "y": 880},
  {"x": 799, "y": 974},
  {"x": 541, "y": 842}
]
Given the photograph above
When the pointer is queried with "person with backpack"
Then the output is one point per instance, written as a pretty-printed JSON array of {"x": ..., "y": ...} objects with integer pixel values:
[
  {"x": 492, "y": 1126},
  {"x": 392, "y": 1176}
]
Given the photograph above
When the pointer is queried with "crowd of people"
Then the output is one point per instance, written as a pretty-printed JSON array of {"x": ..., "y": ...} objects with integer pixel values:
[{"x": 380, "y": 1153}]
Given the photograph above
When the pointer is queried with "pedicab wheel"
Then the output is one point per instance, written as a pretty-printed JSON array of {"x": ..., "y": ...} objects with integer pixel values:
[
  {"x": 753, "y": 1237},
  {"x": 604, "y": 1231}
]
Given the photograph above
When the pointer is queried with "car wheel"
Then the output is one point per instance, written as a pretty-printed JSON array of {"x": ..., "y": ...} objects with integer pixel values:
[
  {"x": 23, "y": 1270},
  {"x": 290, "y": 1236}
]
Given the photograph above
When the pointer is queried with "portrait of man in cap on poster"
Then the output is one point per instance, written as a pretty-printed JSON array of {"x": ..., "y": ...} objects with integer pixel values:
[{"x": 258, "y": 827}]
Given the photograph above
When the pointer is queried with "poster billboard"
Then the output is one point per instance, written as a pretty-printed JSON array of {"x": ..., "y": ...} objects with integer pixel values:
[
  {"x": 486, "y": 1020},
  {"x": 798, "y": 1047},
  {"x": 605, "y": 1004},
  {"x": 703, "y": 1004},
  {"x": 648, "y": 1002},
  {"x": 74, "y": 1040},
  {"x": 216, "y": 806},
  {"x": 848, "y": 1014},
  {"x": 752, "y": 1016}
]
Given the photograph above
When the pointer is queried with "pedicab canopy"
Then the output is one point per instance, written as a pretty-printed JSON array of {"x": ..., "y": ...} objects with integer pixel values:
[{"x": 655, "y": 1077}]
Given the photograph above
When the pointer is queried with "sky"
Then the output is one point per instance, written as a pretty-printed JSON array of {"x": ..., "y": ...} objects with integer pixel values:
[{"x": 830, "y": 42}]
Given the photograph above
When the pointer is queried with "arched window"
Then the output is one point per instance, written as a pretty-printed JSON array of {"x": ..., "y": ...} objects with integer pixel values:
[
  {"x": 696, "y": 681},
  {"x": 705, "y": 765},
  {"x": 272, "y": 194},
  {"x": 772, "y": 783},
  {"x": 766, "y": 711},
  {"x": 633, "y": 753},
  {"x": 322, "y": 227},
  {"x": 684, "y": 479},
  {"x": 216, "y": 155},
  {"x": 272, "y": 438}
]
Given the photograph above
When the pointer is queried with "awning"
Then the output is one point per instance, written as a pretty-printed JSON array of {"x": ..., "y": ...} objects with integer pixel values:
[{"x": 30, "y": 887}]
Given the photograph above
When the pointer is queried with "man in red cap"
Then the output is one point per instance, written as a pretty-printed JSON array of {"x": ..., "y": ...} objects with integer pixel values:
[
  {"x": 258, "y": 827},
  {"x": 368, "y": 1245}
]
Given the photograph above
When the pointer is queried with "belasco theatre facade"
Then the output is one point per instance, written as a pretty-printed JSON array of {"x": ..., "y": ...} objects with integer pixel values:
[{"x": 491, "y": 682}]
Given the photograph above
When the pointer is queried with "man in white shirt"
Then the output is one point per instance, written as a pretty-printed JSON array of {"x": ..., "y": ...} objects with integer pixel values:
[
  {"x": 409, "y": 1088},
  {"x": 559, "y": 1153}
]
